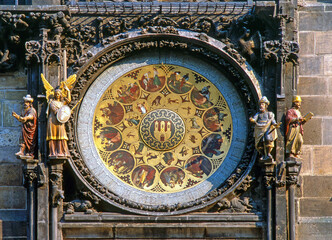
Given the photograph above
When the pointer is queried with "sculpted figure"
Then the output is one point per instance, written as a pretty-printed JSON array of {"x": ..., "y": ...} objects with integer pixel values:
[
  {"x": 28, "y": 119},
  {"x": 294, "y": 128},
  {"x": 58, "y": 113},
  {"x": 265, "y": 133}
]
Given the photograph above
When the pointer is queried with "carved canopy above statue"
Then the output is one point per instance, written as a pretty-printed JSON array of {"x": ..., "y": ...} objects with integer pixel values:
[{"x": 162, "y": 131}]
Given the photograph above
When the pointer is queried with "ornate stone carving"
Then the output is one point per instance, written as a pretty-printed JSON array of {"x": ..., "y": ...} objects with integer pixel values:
[
  {"x": 56, "y": 193},
  {"x": 281, "y": 51},
  {"x": 79, "y": 206},
  {"x": 238, "y": 205}
]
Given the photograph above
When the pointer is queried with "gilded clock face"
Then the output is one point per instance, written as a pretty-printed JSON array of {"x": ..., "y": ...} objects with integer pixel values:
[{"x": 162, "y": 128}]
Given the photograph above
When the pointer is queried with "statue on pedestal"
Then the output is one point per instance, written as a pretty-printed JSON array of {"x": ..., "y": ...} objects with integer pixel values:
[
  {"x": 58, "y": 114},
  {"x": 28, "y": 118},
  {"x": 294, "y": 128},
  {"x": 265, "y": 133}
]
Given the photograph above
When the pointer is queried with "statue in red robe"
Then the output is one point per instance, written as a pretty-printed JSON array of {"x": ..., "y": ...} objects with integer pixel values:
[{"x": 28, "y": 118}]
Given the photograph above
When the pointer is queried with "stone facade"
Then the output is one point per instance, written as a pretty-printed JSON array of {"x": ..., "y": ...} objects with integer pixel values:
[
  {"x": 13, "y": 216},
  {"x": 314, "y": 195},
  {"x": 310, "y": 24}
]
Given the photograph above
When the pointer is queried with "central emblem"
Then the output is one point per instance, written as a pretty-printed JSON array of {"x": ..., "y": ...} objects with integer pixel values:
[{"x": 162, "y": 129}]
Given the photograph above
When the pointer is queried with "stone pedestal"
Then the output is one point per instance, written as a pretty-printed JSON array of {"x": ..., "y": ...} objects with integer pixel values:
[{"x": 56, "y": 193}]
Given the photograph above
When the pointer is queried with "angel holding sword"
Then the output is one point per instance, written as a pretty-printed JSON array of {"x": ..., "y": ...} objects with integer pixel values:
[{"x": 57, "y": 114}]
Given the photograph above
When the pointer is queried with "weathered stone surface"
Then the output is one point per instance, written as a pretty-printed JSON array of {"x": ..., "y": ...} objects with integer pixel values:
[
  {"x": 315, "y": 21},
  {"x": 322, "y": 160},
  {"x": 327, "y": 64},
  {"x": 8, "y": 107},
  {"x": 319, "y": 105},
  {"x": 317, "y": 186},
  {"x": 313, "y": 131},
  {"x": 315, "y": 207},
  {"x": 307, "y": 43},
  {"x": 329, "y": 83},
  {"x": 11, "y": 175},
  {"x": 13, "y": 80},
  {"x": 322, "y": 42},
  {"x": 312, "y": 86},
  {"x": 327, "y": 131},
  {"x": 307, "y": 165},
  {"x": 14, "y": 229},
  {"x": 9, "y": 137},
  {"x": 12, "y": 197},
  {"x": 315, "y": 228},
  {"x": 15, "y": 95},
  {"x": 8, "y": 153},
  {"x": 311, "y": 66}
]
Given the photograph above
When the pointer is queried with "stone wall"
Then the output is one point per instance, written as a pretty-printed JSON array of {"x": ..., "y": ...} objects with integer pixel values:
[
  {"x": 12, "y": 193},
  {"x": 315, "y": 88}
]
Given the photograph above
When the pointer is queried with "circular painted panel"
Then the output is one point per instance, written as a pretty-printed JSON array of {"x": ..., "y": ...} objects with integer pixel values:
[
  {"x": 162, "y": 116},
  {"x": 162, "y": 133}
]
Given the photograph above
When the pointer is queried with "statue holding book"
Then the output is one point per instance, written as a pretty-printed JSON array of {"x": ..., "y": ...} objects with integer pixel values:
[{"x": 294, "y": 128}]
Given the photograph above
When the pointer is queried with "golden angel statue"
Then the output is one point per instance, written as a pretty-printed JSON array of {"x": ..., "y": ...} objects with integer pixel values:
[{"x": 58, "y": 114}]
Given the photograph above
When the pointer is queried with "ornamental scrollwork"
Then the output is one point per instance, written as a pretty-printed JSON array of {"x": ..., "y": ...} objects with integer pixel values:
[{"x": 281, "y": 51}]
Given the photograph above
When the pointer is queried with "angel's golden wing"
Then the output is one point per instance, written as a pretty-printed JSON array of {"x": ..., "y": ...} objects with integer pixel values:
[
  {"x": 48, "y": 87},
  {"x": 70, "y": 81}
]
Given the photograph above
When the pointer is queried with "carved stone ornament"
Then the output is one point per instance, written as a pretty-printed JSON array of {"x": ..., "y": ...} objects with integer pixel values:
[{"x": 161, "y": 180}]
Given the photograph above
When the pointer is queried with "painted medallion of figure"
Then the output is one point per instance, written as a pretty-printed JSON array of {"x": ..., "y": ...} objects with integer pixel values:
[{"x": 162, "y": 128}]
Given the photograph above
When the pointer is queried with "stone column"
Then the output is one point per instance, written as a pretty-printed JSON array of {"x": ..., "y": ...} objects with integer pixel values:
[
  {"x": 30, "y": 172},
  {"x": 56, "y": 194},
  {"x": 293, "y": 166},
  {"x": 268, "y": 173}
]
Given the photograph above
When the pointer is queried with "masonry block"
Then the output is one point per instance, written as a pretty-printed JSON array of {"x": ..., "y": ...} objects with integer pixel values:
[
  {"x": 306, "y": 41},
  {"x": 9, "y": 137},
  {"x": 306, "y": 156},
  {"x": 315, "y": 207},
  {"x": 12, "y": 197},
  {"x": 319, "y": 105},
  {"x": 312, "y": 86},
  {"x": 322, "y": 160},
  {"x": 13, "y": 80},
  {"x": 11, "y": 175},
  {"x": 313, "y": 131},
  {"x": 315, "y": 20},
  {"x": 312, "y": 66},
  {"x": 327, "y": 131},
  {"x": 15, "y": 95},
  {"x": 8, "y": 107},
  {"x": 322, "y": 42},
  {"x": 320, "y": 230},
  {"x": 317, "y": 186},
  {"x": 328, "y": 65}
]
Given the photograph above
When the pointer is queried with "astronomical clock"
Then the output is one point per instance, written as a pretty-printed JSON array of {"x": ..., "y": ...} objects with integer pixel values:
[{"x": 162, "y": 133}]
